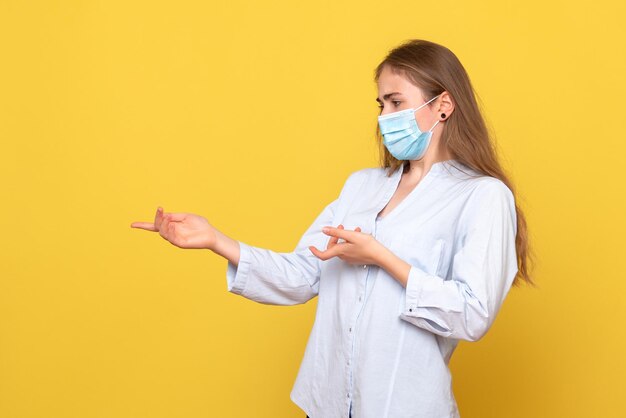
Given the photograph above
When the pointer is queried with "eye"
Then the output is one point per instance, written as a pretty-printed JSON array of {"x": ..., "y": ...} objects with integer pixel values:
[{"x": 396, "y": 103}]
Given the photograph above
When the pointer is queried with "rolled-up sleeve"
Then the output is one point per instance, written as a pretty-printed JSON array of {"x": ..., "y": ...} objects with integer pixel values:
[{"x": 483, "y": 269}]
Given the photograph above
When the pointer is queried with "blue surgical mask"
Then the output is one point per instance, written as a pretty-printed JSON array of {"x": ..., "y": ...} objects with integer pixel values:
[{"x": 402, "y": 137}]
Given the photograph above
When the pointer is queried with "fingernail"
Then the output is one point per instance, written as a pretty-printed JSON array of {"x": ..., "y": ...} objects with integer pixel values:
[{"x": 325, "y": 229}]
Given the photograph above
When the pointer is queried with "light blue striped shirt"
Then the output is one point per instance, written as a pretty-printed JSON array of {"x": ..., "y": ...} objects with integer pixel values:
[{"x": 378, "y": 348}]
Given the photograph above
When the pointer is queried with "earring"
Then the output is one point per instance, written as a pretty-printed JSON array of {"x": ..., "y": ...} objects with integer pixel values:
[{"x": 443, "y": 115}]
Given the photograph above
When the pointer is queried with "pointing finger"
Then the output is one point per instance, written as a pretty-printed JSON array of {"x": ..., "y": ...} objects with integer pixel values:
[
  {"x": 338, "y": 232},
  {"x": 143, "y": 225}
]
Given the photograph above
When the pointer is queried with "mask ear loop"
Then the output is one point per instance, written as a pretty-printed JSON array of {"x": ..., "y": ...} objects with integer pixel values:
[
  {"x": 431, "y": 129},
  {"x": 427, "y": 102}
]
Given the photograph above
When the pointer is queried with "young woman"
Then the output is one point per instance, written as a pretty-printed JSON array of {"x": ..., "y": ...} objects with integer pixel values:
[{"x": 410, "y": 258}]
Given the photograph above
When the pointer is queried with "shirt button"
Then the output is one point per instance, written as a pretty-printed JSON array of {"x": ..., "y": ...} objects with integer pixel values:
[
  {"x": 360, "y": 298},
  {"x": 364, "y": 266},
  {"x": 348, "y": 395},
  {"x": 350, "y": 329},
  {"x": 410, "y": 310}
]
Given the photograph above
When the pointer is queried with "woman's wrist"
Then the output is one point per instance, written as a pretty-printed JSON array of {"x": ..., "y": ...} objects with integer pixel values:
[
  {"x": 226, "y": 247},
  {"x": 394, "y": 265},
  {"x": 382, "y": 255}
]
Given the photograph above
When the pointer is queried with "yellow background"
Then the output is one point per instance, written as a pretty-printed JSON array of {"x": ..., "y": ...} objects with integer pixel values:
[{"x": 253, "y": 114}]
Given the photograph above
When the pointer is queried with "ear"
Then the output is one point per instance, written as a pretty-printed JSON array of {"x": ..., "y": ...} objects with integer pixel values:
[{"x": 446, "y": 106}]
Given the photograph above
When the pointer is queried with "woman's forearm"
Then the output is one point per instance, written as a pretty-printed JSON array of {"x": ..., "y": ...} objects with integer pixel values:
[
  {"x": 394, "y": 265},
  {"x": 226, "y": 247}
]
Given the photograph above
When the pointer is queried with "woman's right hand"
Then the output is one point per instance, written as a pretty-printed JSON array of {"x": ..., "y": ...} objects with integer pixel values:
[{"x": 184, "y": 230}]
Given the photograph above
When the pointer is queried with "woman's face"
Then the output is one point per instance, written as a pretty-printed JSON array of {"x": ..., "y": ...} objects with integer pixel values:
[{"x": 396, "y": 93}]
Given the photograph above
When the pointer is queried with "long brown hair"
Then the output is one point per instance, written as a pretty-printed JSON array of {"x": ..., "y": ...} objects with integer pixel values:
[{"x": 435, "y": 69}]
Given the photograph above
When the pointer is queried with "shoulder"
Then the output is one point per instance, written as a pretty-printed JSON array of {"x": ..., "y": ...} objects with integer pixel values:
[
  {"x": 489, "y": 202},
  {"x": 363, "y": 178},
  {"x": 487, "y": 188},
  {"x": 364, "y": 175}
]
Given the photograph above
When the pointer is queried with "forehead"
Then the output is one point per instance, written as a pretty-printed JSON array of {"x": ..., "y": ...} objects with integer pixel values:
[{"x": 394, "y": 81}]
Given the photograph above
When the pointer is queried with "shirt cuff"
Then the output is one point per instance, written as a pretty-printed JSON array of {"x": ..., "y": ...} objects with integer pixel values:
[
  {"x": 237, "y": 275},
  {"x": 420, "y": 290},
  {"x": 414, "y": 287}
]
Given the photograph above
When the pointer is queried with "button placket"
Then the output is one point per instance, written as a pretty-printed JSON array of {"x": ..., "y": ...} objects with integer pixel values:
[{"x": 361, "y": 291}]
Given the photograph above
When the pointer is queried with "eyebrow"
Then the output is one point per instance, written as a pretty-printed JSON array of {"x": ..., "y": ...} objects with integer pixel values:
[{"x": 388, "y": 95}]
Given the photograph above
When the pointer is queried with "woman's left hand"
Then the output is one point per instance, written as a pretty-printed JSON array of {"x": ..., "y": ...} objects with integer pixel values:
[{"x": 358, "y": 248}]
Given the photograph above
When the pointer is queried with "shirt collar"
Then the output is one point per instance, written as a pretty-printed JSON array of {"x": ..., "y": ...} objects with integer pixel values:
[{"x": 439, "y": 168}]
